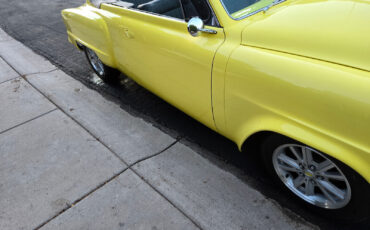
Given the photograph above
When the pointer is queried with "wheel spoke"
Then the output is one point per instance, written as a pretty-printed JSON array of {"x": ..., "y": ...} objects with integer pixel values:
[
  {"x": 297, "y": 182},
  {"x": 325, "y": 166},
  {"x": 309, "y": 189},
  {"x": 334, "y": 176},
  {"x": 326, "y": 193},
  {"x": 307, "y": 156},
  {"x": 332, "y": 189},
  {"x": 288, "y": 168},
  {"x": 289, "y": 161},
  {"x": 295, "y": 152}
]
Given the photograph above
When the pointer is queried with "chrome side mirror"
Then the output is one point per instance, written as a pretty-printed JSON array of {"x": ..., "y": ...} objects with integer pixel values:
[{"x": 196, "y": 25}]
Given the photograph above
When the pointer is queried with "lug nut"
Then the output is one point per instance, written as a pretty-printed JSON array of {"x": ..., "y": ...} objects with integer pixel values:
[{"x": 312, "y": 168}]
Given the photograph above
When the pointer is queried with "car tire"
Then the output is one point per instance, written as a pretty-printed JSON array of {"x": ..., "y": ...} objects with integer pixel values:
[
  {"x": 104, "y": 72},
  {"x": 277, "y": 153}
]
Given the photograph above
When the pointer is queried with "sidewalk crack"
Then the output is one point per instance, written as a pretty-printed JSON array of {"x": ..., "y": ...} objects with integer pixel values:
[
  {"x": 155, "y": 154},
  {"x": 29, "y": 74},
  {"x": 9, "y": 80}
]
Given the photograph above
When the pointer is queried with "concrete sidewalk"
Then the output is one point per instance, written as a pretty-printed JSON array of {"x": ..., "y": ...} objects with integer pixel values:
[{"x": 70, "y": 159}]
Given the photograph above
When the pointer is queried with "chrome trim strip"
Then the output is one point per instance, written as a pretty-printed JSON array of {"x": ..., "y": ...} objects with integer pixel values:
[
  {"x": 165, "y": 16},
  {"x": 151, "y": 13},
  {"x": 253, "y": 13},
  {"x": 158, "y": 15}
]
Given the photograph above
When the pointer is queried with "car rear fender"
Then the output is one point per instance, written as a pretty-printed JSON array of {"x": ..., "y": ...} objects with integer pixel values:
[{"x": 86, "y": 26}]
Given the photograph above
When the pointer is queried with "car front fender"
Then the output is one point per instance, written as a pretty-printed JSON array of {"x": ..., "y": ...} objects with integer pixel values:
[{"x": 321, "y": 104}]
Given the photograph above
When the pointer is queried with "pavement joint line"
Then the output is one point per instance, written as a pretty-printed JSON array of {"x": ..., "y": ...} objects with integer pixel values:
[
  {"x": 24, "y": 76},
  {"x": 2, "y": 58},
  {"x": 83, "y": 127},
  {"x": 29, "y": 120},
  {"x": 155, "y": 189},
  {"x": 81, "y": 198},
  {"x": 11, "y": 68},
  {"x": 108, "y": 181},
  {"x": 167, "y": 199}
]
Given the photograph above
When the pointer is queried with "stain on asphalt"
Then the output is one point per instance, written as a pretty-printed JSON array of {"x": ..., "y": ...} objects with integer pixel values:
[{"x": 38, "y": 25}]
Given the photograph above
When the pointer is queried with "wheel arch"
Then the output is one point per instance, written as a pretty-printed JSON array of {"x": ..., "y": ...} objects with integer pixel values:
[{"x": 254, "y": 131}]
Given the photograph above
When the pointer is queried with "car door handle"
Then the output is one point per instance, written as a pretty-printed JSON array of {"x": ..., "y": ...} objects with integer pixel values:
[
  {"x": 208, "y": 31},
  {"x": 196, "y": 25}
]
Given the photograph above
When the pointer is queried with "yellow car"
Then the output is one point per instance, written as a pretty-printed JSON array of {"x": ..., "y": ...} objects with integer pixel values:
[{"x": 293, "y": 74}]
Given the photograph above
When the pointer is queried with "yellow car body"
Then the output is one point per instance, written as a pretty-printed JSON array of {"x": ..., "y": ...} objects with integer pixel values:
[{"x": 300, "y": 69}]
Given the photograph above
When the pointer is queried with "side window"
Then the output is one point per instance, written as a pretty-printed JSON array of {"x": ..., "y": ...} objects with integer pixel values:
[
  {"x": 170, "y": 8},
  {"x": 182, "y": 9}
]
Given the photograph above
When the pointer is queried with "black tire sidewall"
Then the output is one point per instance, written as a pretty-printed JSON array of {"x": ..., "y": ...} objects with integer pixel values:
[{"x": 355, "y": 211}]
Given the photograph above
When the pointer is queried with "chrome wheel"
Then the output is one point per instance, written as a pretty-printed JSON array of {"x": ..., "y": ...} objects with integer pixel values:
[
  {"x": 95, "y": 62},
  {"x": 311, "y": 176}
]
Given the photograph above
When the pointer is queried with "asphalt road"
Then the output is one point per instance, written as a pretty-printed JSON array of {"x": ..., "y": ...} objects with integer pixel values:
[{"x": 38, "y": 25}]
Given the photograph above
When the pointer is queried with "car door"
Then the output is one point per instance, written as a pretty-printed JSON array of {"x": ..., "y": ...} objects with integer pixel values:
[{"x": 157, "y": 51}]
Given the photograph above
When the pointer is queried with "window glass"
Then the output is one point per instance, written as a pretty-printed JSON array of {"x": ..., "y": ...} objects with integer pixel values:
[
  {"x": 201, "y": 9},
  {"x": 170, "y": 8},
  {"x": 238, "y": 9}
]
